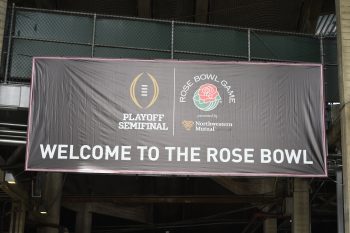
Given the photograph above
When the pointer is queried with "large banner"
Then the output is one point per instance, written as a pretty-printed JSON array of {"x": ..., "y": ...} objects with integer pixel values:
[{"x": 176, "y": 118}]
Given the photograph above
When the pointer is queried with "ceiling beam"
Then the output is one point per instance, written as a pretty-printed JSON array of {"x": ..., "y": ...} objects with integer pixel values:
[
  {"x": 201, "y": 199},
  {"x": 252, "y": 186},
  {"x": 135, "y": 213}
]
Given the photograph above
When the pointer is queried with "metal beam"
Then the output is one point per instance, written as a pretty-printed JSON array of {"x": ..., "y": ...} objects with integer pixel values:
[
  {"x": 202, "y": 199},
  {"x": 252, "y": 186},
  {"x": 12, "y": 142},
  {"x": 135, "y": 213}
]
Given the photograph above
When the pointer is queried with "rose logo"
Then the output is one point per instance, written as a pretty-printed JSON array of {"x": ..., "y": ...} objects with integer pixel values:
[{"x": 207, "y": 97}]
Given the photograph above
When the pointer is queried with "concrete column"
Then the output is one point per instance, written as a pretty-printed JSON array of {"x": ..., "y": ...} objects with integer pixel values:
[
  {"x": 21, "y": 217},
  {"x": 340, "y": 201},
  {"x": 301, "y": 206},
  {"x": 83, "y": 220},
  {"x": 18, "y": 215},
  {"x": 52, "y": 198},
  {"x": 343, "y": 39},
  {"x": 270, "y": 225}
]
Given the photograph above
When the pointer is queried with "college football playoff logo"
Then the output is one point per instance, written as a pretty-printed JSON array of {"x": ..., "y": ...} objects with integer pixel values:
[{"x": 142, "y": 91}]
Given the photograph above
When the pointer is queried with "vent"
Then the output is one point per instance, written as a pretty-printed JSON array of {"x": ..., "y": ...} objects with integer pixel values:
[{"x": 326, "y": 25}]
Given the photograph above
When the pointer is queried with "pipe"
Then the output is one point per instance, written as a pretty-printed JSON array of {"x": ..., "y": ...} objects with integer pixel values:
[
  {"x": 12, "y": 125},
  {"x": 8, "y": 136},
  {"x": 12, "y": 142},
  {"x": 12, "y": 131}
]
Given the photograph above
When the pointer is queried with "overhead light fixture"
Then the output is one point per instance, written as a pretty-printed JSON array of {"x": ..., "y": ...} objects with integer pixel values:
[
  {"x": 42, "y": 209},
  {"x": 9, "y": 178}
]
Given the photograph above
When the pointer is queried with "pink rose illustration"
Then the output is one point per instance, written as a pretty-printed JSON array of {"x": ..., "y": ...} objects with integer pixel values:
[{"x": 208, "y": 92}]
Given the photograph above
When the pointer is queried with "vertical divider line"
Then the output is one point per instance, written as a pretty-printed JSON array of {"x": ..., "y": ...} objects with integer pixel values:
[{"x": 174, "y": 102}]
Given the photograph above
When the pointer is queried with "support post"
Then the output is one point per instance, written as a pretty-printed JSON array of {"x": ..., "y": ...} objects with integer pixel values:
[
  {"x": 12, "y": 221},
  {"x": 52, "y": 198},
  {"x": 83, "y": 220},
  {"x": 301, "y": 206},
  {"x": 343, "y": 44},
  {"x": 21, "y": 213},
  {"x": 270, "y": 225},
  {"x": 18, "y": 215},
  {"x": 340, "y": 201}
]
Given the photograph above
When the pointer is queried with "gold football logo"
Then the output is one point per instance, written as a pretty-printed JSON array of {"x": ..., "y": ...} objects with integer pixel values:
[
  {"x": 143, "y": 90},
  {"x": 187, "y": 125}
]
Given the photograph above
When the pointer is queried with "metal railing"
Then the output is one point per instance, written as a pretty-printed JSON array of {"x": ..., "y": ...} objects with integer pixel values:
[
  {"x": 36, "y": 32},
  {"x": 13, "y": 133}
]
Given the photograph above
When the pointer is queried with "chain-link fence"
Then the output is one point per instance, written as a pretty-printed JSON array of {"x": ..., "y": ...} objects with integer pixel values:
[{"x": 35, "y": 32}]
